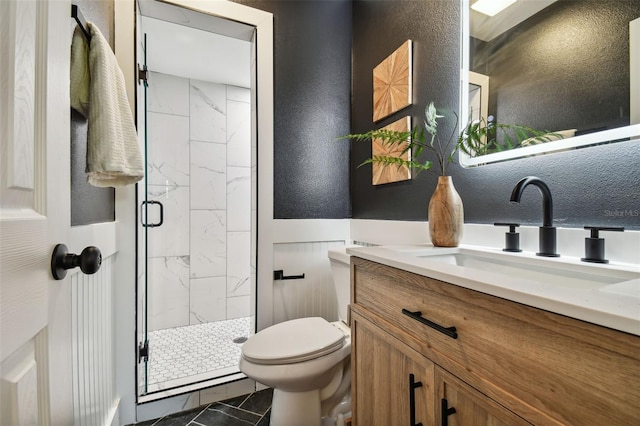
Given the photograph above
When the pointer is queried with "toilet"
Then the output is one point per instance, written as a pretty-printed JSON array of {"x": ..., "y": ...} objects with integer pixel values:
[{"x": 306, "y": 361}]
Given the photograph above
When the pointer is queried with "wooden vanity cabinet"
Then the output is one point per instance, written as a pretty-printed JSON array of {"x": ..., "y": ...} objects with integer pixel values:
[
  {"x": 467, "y": 405},
  {"x": 505, "y": 363},
  {"x": 395, "y": 383}
]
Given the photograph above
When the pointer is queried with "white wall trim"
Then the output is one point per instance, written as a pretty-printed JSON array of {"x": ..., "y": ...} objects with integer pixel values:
[
  {"x": 124, "y": 301},
  {"x": 101, "y": 235},
  {"x": 308, "y": 230},
  {"x": 385, "y": 232}
]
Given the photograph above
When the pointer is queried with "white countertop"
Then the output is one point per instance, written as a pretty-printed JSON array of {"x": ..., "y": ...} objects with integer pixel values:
[{"x": 616, "y": 306}]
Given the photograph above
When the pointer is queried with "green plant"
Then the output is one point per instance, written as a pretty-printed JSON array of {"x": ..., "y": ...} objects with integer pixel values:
[
  {"x": 482, "y": 137},
  {"x": 419, "y": 141},
  {"x": 479, "y": 137}
]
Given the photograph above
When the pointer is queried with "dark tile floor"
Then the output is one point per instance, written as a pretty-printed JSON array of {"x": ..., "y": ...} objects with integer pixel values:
[{"x": 247, "y": 410}]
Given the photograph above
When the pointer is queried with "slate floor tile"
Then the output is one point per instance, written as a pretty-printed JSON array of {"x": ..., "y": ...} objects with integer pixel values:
[
  {"x": 246, "y": 410},
  {"x": 225, "y": 415},
  {"x": 237, "y": 401},
  {"x": 258, "y": 402},
  {"x": 179, "y": 419},
  {"x": 264, "y": 421}
]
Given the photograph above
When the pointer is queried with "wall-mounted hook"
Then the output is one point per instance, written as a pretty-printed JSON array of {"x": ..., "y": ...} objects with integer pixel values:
[{"x": 77, "y": 15}]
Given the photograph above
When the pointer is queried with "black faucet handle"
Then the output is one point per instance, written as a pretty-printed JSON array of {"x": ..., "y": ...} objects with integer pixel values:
[
  {"x": 512, "y": 226},
  {"x": 594, "y": 245},
  {"x": 596, "y": 229},
  {"x": 512, "y": 238}
]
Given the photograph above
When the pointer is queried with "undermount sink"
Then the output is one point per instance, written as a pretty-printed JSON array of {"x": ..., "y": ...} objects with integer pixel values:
[{"x": 555, "y": 272}]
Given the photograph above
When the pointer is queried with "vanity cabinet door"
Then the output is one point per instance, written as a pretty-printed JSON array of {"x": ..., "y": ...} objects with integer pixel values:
[
  {"x": 392, "y": 383},
  {"x": 460, "y": 404}
]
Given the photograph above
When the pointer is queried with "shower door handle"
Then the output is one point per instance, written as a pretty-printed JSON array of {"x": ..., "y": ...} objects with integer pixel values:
[{"x": 145, "y": 204}]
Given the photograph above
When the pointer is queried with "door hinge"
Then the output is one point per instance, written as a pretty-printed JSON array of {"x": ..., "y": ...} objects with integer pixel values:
[
  {"x": 143, "y": 352},
  {"x": 143, "y": 75}
]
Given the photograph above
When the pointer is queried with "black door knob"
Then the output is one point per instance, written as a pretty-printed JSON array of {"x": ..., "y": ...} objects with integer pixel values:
[{"x": 89, "y": 261}]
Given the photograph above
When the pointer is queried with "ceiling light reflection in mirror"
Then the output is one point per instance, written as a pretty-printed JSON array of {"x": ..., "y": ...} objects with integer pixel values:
[{"x": 491, "y": 7}]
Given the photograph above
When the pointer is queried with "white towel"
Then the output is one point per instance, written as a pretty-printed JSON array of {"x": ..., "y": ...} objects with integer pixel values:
[{"x": 98, "y": 93}]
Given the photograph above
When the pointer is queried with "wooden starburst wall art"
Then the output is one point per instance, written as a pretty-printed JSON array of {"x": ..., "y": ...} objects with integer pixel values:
[
  {"x": 392, "y": 173},
  {"x": 392, "y": 83}
]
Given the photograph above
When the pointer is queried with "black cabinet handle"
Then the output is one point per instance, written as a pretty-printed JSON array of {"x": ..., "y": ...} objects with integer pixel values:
[
  {"x": 143, "y": 218},
  {"x": 89, "y": 261},
  {"x": 412, "y": 400},
  {"x": 449, "y": 331},
  {"x": 446, "y": 412}
]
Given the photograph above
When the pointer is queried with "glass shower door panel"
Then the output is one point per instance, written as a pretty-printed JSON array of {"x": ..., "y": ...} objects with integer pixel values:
[
  {"x": 167, "y": 221},
  {"x": 142, "y": 218}
]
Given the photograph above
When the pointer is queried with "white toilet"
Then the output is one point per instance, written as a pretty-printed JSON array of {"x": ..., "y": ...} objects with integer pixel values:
[{"x": 306, "y": 361}]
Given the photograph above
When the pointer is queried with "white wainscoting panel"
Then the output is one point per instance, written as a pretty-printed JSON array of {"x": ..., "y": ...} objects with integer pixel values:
[
  {"x": 312, "y": 296},
  {"x": 94, "y": 397}
]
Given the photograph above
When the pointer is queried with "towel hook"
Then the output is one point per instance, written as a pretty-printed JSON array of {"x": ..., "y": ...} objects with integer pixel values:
[{"x": 77, "y": 15}]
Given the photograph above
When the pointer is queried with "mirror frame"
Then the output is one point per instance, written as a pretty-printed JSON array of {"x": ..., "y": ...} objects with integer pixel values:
[{"x": 631, "y": 132}]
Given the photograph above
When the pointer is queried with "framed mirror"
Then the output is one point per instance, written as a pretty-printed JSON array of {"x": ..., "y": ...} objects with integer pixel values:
[{"x": 567, "y": 68}]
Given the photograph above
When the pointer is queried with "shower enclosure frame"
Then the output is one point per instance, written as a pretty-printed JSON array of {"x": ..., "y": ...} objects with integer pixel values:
[{"x": 263, "y": 102}]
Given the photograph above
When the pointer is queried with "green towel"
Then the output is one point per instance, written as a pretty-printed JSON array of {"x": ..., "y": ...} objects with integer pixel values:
[{"x": 80, "y": 78}]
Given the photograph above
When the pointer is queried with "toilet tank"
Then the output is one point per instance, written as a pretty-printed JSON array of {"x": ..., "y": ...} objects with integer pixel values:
[{"x": 340, "y": 270}]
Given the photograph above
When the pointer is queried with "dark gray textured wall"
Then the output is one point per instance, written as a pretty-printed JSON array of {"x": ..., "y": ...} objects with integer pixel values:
[
  {"x": 571, "y": 61},
  {"x": 380, "y": 27},
  {"x": 312, "y": 48},
  {"x": 598, "y": 186},
  {"x": 88, "y": 203}
]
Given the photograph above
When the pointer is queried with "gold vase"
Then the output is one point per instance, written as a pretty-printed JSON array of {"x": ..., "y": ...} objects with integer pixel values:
[{"x": 446, "y": 214}]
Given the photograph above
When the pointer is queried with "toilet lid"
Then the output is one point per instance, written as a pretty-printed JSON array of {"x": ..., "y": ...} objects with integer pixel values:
[{"x": 293, "y": 341}]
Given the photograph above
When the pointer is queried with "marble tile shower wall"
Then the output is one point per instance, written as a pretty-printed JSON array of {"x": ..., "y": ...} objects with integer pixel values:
[{"x": 199, "y": 167}]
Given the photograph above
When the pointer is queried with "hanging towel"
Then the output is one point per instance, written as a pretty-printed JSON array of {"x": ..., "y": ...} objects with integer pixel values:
[
  {"x": 98, "y": 93},
  {"x": 80, "y": 73}
]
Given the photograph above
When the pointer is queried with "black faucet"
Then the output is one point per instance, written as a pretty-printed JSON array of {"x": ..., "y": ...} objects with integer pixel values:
[{"x": 547, "y": 233}]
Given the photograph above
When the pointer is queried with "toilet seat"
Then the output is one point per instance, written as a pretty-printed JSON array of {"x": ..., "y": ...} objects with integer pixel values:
[{"x": 293, "y": 341}]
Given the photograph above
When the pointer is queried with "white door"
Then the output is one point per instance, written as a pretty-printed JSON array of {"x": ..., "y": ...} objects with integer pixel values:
[{"x": 39, "y": 380}]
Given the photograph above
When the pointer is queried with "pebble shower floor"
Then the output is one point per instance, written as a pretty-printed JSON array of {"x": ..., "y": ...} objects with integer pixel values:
[{"x": 182, "y": 355}]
